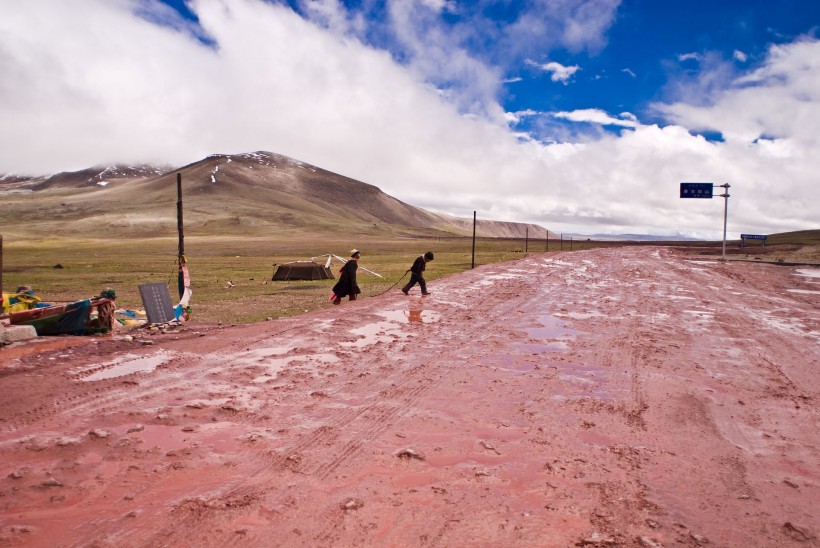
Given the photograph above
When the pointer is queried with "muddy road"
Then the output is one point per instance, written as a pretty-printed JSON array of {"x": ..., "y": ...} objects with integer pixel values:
[{"x": 612, "y": 397}]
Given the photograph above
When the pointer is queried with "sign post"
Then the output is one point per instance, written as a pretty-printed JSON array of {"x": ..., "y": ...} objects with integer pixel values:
[
  {"x": 705, "y": 190},
  {"x": 744, "y": 237}
]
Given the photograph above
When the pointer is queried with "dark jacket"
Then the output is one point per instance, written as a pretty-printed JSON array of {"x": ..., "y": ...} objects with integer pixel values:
[
  {"x": 347, "y": 280},
  {"x": 418, "y": 265}
]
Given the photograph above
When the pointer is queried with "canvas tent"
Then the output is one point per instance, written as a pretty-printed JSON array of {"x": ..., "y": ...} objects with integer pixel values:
[{"x": 302, "y": 270}]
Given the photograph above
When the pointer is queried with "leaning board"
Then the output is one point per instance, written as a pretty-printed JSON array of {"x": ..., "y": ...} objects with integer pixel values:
[{"x": 157, "y": 302}]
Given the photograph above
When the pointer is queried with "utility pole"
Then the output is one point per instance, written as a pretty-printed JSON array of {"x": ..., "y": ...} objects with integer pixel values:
[
  {"x": 472, "y": 265},
  {"x": 180, "y": 277},
  {"x": 725, "y": 197},
  {"x": 526, "y": 239}
]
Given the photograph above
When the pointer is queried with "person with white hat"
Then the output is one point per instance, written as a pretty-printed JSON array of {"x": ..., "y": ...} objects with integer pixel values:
[{"x": 347, "y": 286}]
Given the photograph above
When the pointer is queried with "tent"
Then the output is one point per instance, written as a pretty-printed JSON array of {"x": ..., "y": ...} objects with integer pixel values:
[{"x": 302, "y": 270}]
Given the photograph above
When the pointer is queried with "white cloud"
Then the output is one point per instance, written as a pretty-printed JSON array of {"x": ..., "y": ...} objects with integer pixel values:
[
  {"x": 740, "y": 56},
  {"x": 689, "y": 57},
  {"x": 559, "y": 72},
  {"x": 596, "y": 116},
  {"x": 91, "y": 83},
  {"x": 629, "y": 72}
]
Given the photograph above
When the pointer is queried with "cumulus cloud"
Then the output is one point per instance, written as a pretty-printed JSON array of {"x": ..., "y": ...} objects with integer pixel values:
[
  {"x": 597, "y": 116},
  {"x": 558, "y": 72},
  {"x": 102, "y": 82}
]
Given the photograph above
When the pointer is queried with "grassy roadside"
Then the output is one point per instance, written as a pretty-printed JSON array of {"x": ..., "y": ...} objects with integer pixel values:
[{"x": 66, "y": 270}]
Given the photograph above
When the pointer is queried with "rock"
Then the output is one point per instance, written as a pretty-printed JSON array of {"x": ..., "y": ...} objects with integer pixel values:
[
  {"x": 408, "y": 453},
  {"x": 99, "y": 433},
  {"x": 800, "y": 534},
  {"x": 700, "y": 539},
  {"x": 352, "y": 504},
  {"x": 16, "y": 333},
  {"x": 649, "y": 543},
  {"x": 65, "y": 442},
  {"x": 135, "y": 428},
  {"x": 596, "y": 539},
  {"x": 16, "y": 475},
  {"x": 52, "y": 482}
]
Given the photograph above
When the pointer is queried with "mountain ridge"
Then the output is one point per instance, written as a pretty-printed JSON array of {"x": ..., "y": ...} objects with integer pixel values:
[{"x": 229, "y": 194}]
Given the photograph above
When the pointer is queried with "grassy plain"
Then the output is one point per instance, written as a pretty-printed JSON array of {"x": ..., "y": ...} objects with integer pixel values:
[{"x": 89, "y": 266}]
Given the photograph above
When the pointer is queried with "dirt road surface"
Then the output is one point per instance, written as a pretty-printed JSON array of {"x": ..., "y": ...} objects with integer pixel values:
[{"x": 613, "y": 397}]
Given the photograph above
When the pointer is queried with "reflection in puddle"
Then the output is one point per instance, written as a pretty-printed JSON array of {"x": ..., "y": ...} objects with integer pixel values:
[
  {"x": 128, "y": 364},
  {"x": 415, "y": 314}
]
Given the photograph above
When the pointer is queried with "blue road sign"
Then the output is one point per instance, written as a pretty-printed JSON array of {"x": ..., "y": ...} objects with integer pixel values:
[
  {"x": 753, "y": 236},
  {"x": 696, "y": 190}
]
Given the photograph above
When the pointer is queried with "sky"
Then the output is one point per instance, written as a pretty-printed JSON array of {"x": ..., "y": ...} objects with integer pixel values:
[{"x": 583, "y": 116}]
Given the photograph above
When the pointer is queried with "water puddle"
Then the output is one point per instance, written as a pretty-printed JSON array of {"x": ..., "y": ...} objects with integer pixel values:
[
  {"x": 808, "y": 272},
  {"x": 127, "y": 365},
  {"x": 274, "y": 366},
  {"x": 219, "y": 437},
  {"x": 412, "y": 315},
  {"x": 551, "y": 328},
  {"x": 376, "y": 332}
]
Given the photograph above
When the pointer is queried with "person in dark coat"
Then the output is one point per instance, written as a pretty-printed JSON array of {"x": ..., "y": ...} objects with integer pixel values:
[
  {"x": 347, "y": 286},
  {"x": 416, "y": 274}
]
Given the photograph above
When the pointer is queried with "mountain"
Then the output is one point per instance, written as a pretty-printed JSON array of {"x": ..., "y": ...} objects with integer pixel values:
[{"x": 238, "y": 194}]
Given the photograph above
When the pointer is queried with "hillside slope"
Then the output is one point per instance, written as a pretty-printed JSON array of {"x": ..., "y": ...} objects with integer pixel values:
[{"x": 247, "y": 194}]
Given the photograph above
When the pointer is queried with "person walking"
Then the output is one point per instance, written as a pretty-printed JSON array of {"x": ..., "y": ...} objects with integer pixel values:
[
  {"x": 416, "y": 274},
  {"x": 347, "y": 286}
]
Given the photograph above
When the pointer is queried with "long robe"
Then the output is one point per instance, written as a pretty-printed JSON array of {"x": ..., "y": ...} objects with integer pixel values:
[{"x": 347, "y": 280}]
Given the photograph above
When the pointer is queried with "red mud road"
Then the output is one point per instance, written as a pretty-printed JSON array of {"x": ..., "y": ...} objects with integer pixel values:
[{"x": 617, "y": 397}]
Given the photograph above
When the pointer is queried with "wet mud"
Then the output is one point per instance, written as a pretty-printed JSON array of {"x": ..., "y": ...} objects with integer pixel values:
[{"x": 612, "y": 397}]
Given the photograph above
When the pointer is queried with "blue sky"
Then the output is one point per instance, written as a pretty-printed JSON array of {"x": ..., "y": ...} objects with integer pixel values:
[{"x": 580, "y": 115}]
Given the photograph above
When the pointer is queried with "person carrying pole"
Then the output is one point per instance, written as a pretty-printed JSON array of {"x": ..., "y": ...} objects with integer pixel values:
[
  {"x": 347, "y": 286},
  {"x": 416, "y": 274}
]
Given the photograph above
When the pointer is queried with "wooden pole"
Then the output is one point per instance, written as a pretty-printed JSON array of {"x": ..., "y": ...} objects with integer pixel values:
[
  {"x": 179, "y": 215},
  {"x": 526, "y": 239},
  {"x": 472, "y": 265},
  {"x": 1, "y": 269},
  {"x": 180, "y": 276}
]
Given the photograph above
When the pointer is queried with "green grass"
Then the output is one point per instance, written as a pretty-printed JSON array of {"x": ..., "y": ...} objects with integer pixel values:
[{"x": 89, "y": 266}]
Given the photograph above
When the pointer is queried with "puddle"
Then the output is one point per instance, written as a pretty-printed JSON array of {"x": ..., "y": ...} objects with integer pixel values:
[
  {"x": 265, "y": 353},
  {"x": 551, "y": 328},
  {"x": 581, "y": 315},
  {"x": 277, "y": 365},
  {"x": 127, "y": 365},
  {"x": 219, "y": 437},
  {"x": 377, "y": 332},
  {"x": 585, "y": 380},
  {"x": 808, "y": 272},
  {"x": 411, "y": 315}
]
